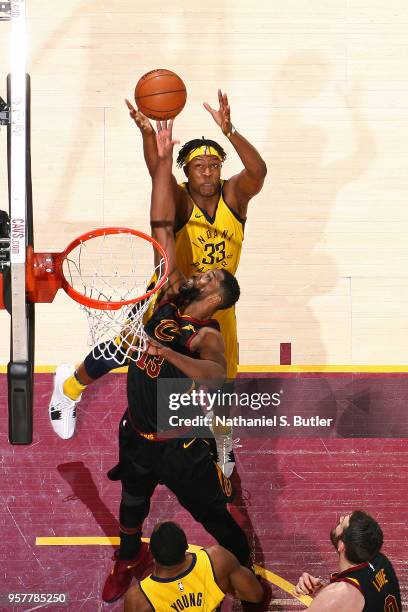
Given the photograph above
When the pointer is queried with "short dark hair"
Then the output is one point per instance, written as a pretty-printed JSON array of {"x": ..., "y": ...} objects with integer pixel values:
[
  {"x": 363, "y": 538},
  {"x": 168, "y": 543},
  {"x": 230, "y": 290},
  {"x": 195, "y": 144}
]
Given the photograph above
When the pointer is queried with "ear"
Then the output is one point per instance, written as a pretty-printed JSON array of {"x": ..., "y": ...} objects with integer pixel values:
[
  {"x": 214, "y": 299},
  {"x": 185, "y": 170},
  {"x": 340, "y": 547}
]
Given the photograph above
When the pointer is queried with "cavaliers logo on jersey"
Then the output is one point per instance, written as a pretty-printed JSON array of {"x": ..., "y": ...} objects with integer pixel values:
[{"x": 167, "y": 330}]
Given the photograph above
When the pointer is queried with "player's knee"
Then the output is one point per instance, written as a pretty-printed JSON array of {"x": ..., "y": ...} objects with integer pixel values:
[
  {"x": 133, "y": 509},
  {"x": 133, "y": 500}
]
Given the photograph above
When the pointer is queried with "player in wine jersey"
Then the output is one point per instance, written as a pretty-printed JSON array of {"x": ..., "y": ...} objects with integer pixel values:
[
  {"x": 183, "y": 580},
  {"x": 210, "y": 221},
  {"x": 185, "y": 345},
  {"x": 366, "y": 580}
]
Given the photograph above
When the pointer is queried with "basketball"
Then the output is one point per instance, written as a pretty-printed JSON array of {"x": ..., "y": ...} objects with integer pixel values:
[{"x": 160, "y": 94}]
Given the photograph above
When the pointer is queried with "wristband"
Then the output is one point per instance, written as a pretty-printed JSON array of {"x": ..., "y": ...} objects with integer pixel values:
[{"x": 232, "y": 131}]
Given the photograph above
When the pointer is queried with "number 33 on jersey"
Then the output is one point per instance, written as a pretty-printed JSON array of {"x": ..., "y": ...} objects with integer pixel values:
[{"x": 204, "y": 243}]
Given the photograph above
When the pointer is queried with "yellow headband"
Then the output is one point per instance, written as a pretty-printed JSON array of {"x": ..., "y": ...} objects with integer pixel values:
[{"x": 203, "y": 150}]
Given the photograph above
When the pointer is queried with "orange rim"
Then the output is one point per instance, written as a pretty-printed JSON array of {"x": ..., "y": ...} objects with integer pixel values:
[{"x": 100, "y": 304}]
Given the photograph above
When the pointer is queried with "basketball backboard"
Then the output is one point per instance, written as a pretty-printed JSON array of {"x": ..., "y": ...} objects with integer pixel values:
[{"x": 13, "y": 265}]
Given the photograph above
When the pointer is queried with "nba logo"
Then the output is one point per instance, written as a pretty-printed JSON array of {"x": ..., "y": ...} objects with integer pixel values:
[{"x": 181, "y": 586}]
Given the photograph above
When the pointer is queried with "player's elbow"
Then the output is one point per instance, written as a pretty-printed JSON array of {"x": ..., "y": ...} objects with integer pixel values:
[
  {"x": 248, "y": 587},
  {"x": 214, "y": 377},
  {"x": 262, "y": 170},
  {"x": 220, "y": 372},
  {"x": 259, "y": 170},
  {"x": 214, "y": 373},
  {"x": 218, "y": 381},
  {"x": 255, "y": 592},
  {"x": 258, "y": 174}
]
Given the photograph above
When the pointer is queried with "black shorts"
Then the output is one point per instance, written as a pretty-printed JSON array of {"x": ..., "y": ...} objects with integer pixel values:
[{"x": 185, "y": 466}]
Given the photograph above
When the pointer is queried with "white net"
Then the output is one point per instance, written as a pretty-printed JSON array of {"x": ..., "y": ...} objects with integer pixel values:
[{"x": 111, "y": 269}]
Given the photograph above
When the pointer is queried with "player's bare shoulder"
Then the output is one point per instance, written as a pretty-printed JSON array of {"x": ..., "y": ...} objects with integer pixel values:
[
  {"x": 223, "y": 563},
  {"x": 222, "y": 560},
  {"x": 338, "y": 597}
]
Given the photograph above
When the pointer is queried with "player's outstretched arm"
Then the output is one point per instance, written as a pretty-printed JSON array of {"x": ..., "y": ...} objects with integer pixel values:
[
  {"x": 232, "y": 577},
  {"x": 163, "y": 206},
  {"x": 240, "y": 188},
  {"x": 149, "y": 143},
  {"x": 148, "y": 136}
]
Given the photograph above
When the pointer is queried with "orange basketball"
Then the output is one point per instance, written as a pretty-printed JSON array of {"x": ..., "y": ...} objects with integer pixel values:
[{"x": 160, "y": 94}]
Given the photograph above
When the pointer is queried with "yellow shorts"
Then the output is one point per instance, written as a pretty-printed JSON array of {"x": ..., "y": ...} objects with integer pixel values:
[{"x": 228, "y": 325}]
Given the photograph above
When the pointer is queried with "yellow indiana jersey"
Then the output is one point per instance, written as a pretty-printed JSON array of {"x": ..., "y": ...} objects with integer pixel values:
[
  {"x": 195, "y": 588},
  {"x": 204, "y": 243}
]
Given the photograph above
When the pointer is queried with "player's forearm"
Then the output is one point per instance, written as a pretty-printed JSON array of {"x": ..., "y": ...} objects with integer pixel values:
[
  {"x": 150, "y": 150},
  {"x": 253, "y": 162},
  {"x": 163, "y": 207},
  {"x": 200, "y": 370}
]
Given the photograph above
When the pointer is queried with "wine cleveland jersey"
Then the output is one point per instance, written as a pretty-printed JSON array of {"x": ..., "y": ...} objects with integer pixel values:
[
  {"x": 377, "y": 582},
  {"x": 170, "y": 328}
]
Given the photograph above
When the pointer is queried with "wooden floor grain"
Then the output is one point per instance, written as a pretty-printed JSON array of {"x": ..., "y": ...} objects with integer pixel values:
[{"x": 290, "y": 492}]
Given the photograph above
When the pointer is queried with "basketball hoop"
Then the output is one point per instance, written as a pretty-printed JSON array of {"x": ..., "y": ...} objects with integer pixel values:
[{"x": 108, "y": 272}]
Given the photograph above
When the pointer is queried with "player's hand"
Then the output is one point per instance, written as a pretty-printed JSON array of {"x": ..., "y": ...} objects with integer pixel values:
[
  {"x": 164, "y": 137},
  {"x": 308, "y": 585},
  {"x": 222, "y": 116},
  {"x": 155, "y": 348},
  {"x": 141, "y": 120}
]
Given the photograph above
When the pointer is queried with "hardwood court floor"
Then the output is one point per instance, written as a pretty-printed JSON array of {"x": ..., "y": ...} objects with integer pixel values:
[{"x": 290, "y": 493}]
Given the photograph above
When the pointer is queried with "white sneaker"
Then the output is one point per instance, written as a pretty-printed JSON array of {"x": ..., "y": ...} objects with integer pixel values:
[
  {"x": 62, "y": 409},
  {"x": 225, "y": 448},
  {"x": 225, "y": 451}
]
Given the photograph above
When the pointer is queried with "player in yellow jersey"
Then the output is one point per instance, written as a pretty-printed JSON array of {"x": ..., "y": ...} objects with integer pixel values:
[
  {"x": 210, "y": 221},
  {"x": 211, "y": 212},
  {"x": 197, "y": 581}
]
